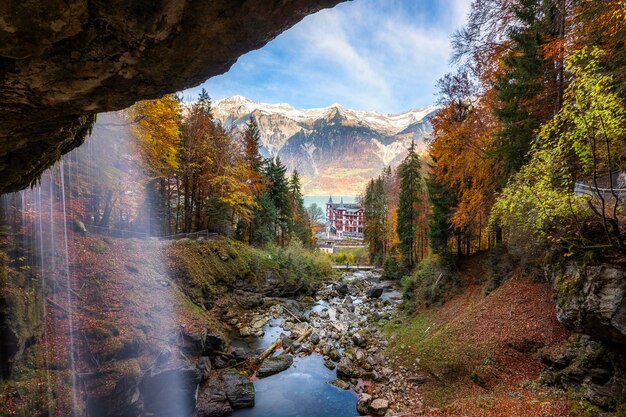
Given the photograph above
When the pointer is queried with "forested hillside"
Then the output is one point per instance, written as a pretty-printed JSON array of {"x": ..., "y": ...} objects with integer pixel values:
[
  {"x": 154, "y": 170},
  {"x": 526, "y": 164},
  {"x": 529, "y": 146}
]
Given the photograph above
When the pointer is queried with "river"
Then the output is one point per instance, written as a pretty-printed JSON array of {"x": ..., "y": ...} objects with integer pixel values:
[{"x": 341, "y": 309}]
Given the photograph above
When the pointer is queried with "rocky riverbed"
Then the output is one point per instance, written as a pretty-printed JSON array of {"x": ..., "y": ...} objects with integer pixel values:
[{"x": 316, "y": 356}]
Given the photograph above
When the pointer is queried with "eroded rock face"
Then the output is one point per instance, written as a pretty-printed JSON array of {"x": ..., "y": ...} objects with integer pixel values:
[
  {"x": 595, "y": 368},
  {"x": 592, "y": 300},
  {"x": 62, "y": 62}
]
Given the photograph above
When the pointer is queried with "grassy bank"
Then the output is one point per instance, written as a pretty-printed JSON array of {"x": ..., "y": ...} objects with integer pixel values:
[
  {"x": 478, "y": 351},
  {"x": 353, "y": 256},
  {"x": 203, "y": 269}
]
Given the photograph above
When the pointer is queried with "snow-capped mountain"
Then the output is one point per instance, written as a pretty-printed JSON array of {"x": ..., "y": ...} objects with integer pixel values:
[{"x": 337, "y": 150}]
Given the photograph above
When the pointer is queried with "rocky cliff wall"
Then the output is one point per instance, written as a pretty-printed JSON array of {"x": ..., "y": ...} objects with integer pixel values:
[
  {"x": 591, "y": 301},
  {"x": 62, "y": 62}
]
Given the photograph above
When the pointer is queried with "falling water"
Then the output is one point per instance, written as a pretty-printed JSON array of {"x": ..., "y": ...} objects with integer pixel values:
[
  {"x": 37, "y": 233},
  {"x": 40, "y": 209},
  {"x": 39, "y": 214},
  {"x": 68, "y": 285}
]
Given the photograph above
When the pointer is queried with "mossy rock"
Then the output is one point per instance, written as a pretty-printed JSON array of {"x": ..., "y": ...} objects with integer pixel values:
[{"x": 567, "y": 287}]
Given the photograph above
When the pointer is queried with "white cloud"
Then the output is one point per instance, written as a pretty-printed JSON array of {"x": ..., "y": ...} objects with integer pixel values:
[{"x": 383, "y": 55}]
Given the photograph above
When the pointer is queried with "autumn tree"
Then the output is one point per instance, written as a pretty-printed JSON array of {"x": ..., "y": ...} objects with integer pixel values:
[
  {"x": 156, "y": 125},
  {"x": 582, "y": 144}
]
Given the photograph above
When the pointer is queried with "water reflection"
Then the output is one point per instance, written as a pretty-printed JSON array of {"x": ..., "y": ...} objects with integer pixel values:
[{"x": 301, "y": 391}]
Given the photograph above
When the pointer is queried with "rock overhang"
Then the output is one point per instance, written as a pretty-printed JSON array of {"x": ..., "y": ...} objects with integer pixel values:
[{"x": 64, "y": 61}]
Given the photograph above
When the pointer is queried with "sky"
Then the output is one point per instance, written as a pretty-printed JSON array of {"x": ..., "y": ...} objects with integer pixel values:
[{"x": 375, "y": 55}]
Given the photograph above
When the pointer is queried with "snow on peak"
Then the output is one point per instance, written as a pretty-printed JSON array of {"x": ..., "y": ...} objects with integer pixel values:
[{"x": 390, "y": 124}]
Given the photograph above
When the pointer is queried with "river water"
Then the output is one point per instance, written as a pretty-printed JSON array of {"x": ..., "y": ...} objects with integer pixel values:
[{"x": 303, "y": 390}]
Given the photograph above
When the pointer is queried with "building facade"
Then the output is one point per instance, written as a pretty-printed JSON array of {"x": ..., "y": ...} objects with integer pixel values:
[{"x": 344, "y": 220}]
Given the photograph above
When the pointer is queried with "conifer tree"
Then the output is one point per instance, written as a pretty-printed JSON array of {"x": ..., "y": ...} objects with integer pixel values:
[
  {"x": 254, "y": 177},
  {"x": 278, "y": 192},
  {"x": 375, "y": 208},
  {"x": 411, "y": 192},
  {"x": 300, "y": 223},
  {"x": 251, "y": 140},
  {"x": 442, "y": 200},
  {"x": 521, "y": 87},
  {"x": 264, "y": 221}
]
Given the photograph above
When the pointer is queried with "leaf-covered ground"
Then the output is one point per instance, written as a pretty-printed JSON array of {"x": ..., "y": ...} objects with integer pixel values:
[{"x": 480, "y": 352}]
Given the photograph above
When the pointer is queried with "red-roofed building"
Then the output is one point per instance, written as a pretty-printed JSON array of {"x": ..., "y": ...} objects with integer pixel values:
[{"x": 344, "y": 220}]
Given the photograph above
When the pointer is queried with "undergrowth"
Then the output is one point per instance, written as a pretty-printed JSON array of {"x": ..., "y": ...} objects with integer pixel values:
[
  {"x": 201, "y": 267},
  {"x": 429, "y": 283}
]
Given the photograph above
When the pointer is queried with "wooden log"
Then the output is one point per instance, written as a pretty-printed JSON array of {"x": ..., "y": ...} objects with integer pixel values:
[
  {"x": 299, "y": 340},
  {"x": 291, "y": 314},
  {"x": 270, "y": 349}
]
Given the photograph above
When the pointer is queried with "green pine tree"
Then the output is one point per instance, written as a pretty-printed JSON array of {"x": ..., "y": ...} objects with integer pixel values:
[
  {"x": 204, "y": 101},
  {"x": 263, "y": 223},
  {"x": 521, "y": 87},
  {"x": 442, "y": 200},
  {"x": 300, "y": 222},
  {"x": 252, "y": 139},
  {"x": 278, "y": 192},
  {"x": 411, "y": 191},
  {"x": 375, "y": 207}
]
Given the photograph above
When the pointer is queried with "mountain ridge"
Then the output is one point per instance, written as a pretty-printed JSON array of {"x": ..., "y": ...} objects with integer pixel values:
[{"x": 336, "y": 149}]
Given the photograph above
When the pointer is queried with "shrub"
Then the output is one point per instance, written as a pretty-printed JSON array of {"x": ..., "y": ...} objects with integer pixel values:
[
  {"x": 352, "y": 255},
  {"x": 426, "y": 285},
  {"x": 391, "y": 268},
  {"x": 501, "y": 265}
]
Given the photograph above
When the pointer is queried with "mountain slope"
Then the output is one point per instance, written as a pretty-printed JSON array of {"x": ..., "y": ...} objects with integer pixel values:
[{"x": 337, "y": 150}]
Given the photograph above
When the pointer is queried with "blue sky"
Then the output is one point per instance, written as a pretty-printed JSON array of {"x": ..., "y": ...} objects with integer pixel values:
[{"x": 381, "y": 55}]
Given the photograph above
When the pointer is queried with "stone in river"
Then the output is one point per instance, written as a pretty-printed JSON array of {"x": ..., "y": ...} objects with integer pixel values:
[
  {"x": 342, "y": 289},
  {"x": 271, "y": 366},
  {"x": 363, "y": 404},
  {"x": 359, "y": 340},
  {"x": 340, "y": 383},
  {"x": 345, "y": 368},
  {"x": 212, "y": 400},
  {"x": 375, "y": 292},
  {"x": 334, "y": 354},
  {"x": 239, "y": 389}
]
